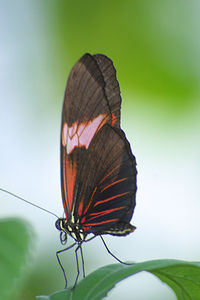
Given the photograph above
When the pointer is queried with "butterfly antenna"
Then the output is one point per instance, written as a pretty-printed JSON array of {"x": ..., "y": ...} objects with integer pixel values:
[{"x": 16, "y": 196}]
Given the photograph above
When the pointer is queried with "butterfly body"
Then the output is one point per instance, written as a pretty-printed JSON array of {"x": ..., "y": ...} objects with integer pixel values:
[{"x": 70, "y": 228}]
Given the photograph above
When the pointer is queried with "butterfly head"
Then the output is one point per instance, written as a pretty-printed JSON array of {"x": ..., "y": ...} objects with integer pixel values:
[{"x": 72, "y": 229}]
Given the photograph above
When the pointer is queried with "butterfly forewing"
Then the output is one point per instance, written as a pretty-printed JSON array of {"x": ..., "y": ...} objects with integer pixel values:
[
  {"x": 88, "y": 104},
  {"x": 111, "y": 87},
  {"x": 92, "y": 90}
]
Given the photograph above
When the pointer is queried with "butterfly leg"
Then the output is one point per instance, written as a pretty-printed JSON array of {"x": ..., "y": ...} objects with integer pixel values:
[
  {"x": 59, "y": 261},
  {"x": 120, "y": 261},
  {"x": 77, "y": 263},
  {"x": 77, "y": 267},
  {"x": 83, "y": 264}
]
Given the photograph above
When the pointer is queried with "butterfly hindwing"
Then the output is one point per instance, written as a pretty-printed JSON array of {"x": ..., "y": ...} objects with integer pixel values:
[{"x": 106, "y": 184}]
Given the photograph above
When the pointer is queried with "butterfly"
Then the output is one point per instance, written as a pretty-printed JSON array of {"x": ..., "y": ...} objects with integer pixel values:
[{"x": 98, "y": 169}]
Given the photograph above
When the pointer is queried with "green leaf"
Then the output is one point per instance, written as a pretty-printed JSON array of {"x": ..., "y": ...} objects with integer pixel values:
[
  {"x": 14, "y": 241},
  {"x": 183, "y": 278}
]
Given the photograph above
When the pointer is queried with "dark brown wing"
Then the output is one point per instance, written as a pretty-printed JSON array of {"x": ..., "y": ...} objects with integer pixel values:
[
  {"x": 92, "y": 89},
  {"x": 106, "y": 184},
  {"x": 92, "y": 99},
  {"x": 112, "y": 89}
]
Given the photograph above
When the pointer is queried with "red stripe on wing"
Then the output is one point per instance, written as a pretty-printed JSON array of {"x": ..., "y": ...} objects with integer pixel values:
[
  {"x": 80, "y": 208},
  {"x": 110, "y": 198},
  {"x": 70, "y": 180},
  {"x": 113, "y": 183},
  {"x": 108, "y": 174},
  {"x": 114, "y": 119},
  {"x": 105, "y": 212},
  {"x": 90, "y": 200},
  {"x": 86, "y": 226},
  {"x": 65, "y": 198}
]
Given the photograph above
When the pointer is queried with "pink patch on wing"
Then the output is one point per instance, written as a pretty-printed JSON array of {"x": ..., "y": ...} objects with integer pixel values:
[
  {"x": 79, "y": 135},
  {"x": 64, "y": 134}
]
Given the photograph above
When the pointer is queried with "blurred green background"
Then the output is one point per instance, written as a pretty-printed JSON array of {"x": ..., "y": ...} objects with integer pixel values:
[{"x": 155, "y": 47}]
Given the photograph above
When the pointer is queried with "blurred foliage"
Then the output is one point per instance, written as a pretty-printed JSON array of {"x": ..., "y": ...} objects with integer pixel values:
[
  {"x": 15, "y": 241},
  {"x": 45, "y": 275},
  {"x": 154, "y": 44}
]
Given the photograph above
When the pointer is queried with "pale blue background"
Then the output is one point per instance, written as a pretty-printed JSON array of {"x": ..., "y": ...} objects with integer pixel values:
[{"x": 156, "y": 50}]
